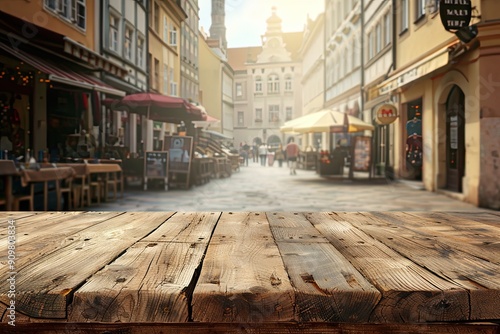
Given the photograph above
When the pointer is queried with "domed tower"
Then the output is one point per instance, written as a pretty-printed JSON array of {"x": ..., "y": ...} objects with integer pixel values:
[
  {"x": 218, "y": 27},
  {"x": 273, "y": 46}
]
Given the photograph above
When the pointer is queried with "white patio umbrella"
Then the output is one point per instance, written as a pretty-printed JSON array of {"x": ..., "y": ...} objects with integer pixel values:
[{"x": 326, "y": 120}]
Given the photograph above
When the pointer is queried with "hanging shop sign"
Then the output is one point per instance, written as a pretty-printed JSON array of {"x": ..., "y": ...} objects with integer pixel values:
[
  {"x": 386, "y": 114},
  {"x": 455, "y": 14}
]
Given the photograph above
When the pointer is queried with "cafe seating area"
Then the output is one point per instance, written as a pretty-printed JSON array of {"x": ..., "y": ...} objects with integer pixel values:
[{"x": 59, "y": 186}]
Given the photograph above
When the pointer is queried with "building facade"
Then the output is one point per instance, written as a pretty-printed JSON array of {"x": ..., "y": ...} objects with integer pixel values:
[
  {"x": 446, "y": 93},
  {"x": 266, "y": 80},
  {"x": 189, "y": 88},
  {"x": 165, "y": 19},
  {"x": 313, "y": 77},
  {"x": 50, "y": 85},
  {"x": 343, "y": 57}
]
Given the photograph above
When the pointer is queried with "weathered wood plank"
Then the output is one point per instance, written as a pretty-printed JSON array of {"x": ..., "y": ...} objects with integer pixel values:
[
  {"x": 16, "y": 215},
  {"x": 409, "y": 292},
  {"x": 490, "y": 218},
  {"x": 153, "y": 280},
  {"x": 480, "y": 278},
  {"x": 254, "y": 328},
  {"x": 243, "y": 279},
  {"x": 465, "y": 235},
  {"x": 328, "y": 287},
  {"x": 40, "y": 235},
  {"x": 45, "y": 286}
]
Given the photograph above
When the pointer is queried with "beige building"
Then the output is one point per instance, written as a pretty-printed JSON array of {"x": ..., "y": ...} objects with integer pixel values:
[
  {"x": 313, "y": 77},
  {"x": 266, "y": 84},
  {"x": 447, "y": 95}
]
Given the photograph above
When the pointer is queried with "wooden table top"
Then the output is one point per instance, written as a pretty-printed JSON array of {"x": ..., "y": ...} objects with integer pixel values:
[
  {"x": 103, "y": 168},
  {"x": 46, "y": 174},
  {"x": 256, "y": 268}
]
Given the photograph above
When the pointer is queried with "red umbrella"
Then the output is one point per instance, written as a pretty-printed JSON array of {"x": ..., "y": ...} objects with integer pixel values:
[{"x": 159, "y": 107}]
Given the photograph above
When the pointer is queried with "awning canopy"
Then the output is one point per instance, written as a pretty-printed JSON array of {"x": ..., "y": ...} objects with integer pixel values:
[
  {"x": 60, "y": 73},
  {"x": 158, "y": 107},
  {"x": 326, "y": 120}
]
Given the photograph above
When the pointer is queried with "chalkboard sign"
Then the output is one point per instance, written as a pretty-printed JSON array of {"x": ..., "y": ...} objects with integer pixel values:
[
  {"x": 361, "y": 154},
  {"x": 155, "y": 166}
]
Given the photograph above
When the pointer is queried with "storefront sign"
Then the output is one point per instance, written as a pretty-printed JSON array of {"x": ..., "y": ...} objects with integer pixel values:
[
  {"x": 455, "y": 14},
  {"x": 386, "y": 114}
]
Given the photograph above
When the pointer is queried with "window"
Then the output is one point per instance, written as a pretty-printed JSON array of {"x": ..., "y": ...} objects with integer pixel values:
[
  {"x": 114, "y": 24},
  {"x": 70, "y": 10},
  {"x": 128, "y": 43},
  {"x": 156, "y": 19},
  {"x": 288, "y": 82},
  {"x": 420, "y": 8},
  {"x": 156, "y": 83},
  {"x": 378, "y": 39},
  {"x": 165, "y": 79},
  {"x": 258, "y": 84},
  {"x": 173, "y": 84},
  {"x": 273, "y": 84},
  {"x": 288, "y": 113},
  {"x": 274, "y": 113},
  {"x": 239, "y": 90},
  {"x": 140, "y": 51},
  {"x": 403, "y": 15},
  {"x": 173, "y": 35},
  {"x": 241, "y": 118},
  {"x": 370, "y": 45},
  {"x": 165, "y": 29},
  {"x": 387, "y": 28},
  {"x": 258, "y": 114}
]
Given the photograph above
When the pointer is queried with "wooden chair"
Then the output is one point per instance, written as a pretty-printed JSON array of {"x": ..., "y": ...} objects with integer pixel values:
[
  {"x": 94, "y": 187},
  {"x": 66, "y": 188},
  {"x": 25, "y": 197}
]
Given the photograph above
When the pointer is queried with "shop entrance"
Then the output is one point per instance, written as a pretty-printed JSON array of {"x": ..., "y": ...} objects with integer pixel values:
[{"x": 455, "y": 139}]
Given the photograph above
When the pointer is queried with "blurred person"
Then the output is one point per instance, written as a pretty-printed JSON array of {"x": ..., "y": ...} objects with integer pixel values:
[
  {"x": 263, "y": 154},
  {"x": 279, "y": 155},
  {"x": 292, "y": 154}
]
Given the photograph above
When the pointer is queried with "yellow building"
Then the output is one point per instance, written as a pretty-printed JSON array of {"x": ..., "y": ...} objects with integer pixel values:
[
  {"x": 165, "y": 19},
  {"x": 446, "y": 90},
  {"x": 210, "y": 80}
]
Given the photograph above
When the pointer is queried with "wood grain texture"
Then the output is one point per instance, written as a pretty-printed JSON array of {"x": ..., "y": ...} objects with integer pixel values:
[
  {"x": 243, "y": 279},
  {"x": 153, "y": 280},
  {"x": 327, "y": 286},
  {"x": 478, "y": 277},
  {"x": 45, "y": 285},
  {"x": 257, "y": 328}
]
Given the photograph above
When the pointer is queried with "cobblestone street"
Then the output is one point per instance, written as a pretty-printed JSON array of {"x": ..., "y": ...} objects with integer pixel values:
[{"x": 257, "y": 188}]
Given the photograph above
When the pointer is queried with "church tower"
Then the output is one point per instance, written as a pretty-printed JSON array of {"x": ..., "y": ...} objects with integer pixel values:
[{"x": 218, "y": 28}]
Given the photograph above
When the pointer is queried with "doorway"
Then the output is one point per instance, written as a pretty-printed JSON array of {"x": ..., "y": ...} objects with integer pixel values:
[{"x": 455, "y": 139}]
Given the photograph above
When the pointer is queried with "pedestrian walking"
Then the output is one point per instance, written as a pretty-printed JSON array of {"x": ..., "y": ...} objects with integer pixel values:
[
  {"x": 263, "y": 154},
  {"x": 279, "y": 155},
  {"x": 292, "y": 154}
]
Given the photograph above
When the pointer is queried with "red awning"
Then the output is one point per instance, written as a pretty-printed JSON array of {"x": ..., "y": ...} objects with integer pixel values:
[{"x": 58, "y": 73}]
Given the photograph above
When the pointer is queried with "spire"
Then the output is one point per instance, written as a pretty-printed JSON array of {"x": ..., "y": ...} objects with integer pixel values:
[
  {"x": 273, "y": 23},
  {"x": 218, "y": 28}
]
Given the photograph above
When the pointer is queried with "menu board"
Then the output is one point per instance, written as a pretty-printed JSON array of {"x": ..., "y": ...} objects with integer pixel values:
[
  {"x": 179, "y": 149},
  {"x": 179, "y": 152},
  {"x": 155, "y": 166},
  {"x": 361, "y": 155}
]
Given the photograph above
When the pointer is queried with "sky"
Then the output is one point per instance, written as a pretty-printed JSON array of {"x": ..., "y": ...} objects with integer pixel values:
[{"x": 246, "y": 19}]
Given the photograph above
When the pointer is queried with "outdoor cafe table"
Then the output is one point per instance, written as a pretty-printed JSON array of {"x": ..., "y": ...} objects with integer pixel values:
[
  {"x": 107, "y": 169},
  {"x": 253, "y": 272},
  {"x": 46, "y": 175}
]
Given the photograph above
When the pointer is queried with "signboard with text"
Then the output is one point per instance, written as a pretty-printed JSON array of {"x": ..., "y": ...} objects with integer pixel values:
[
  {"x": 361, "y": 154},
  {"x": 455, "y": 14},
  {"x": 386, "y": 114},
  {"x": 155, "y": 166}
]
